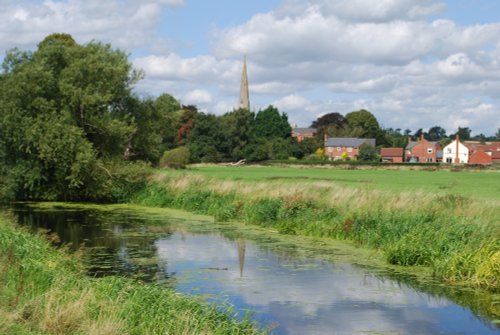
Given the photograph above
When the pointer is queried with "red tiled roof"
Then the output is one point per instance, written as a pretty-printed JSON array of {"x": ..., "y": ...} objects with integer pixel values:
[{"x": 391, "y": 152}]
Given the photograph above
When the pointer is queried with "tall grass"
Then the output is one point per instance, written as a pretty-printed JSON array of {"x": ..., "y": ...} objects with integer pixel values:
[
  {"x": 457, "y": 237},
  {"x": 44, "y": 291}
]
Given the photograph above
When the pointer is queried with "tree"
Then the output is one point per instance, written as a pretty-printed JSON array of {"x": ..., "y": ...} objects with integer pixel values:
[
  {"x": 498, "y": 134},
  {"x": 331, "y": 124},
  {"x": 269, "y": 124},
  {"x": 418, "y": 134},
  {"x": 237, "y": 126},
  {"x": 436, "y": 133},
  {"x": 207, "y": 141},
  {"x": 367, "y": 153},
  {"x": 176, "y": 158},
  {"x": 463, "y": 133},
  {"x": 330, "y": 119},
  {"x": 394, "y": 138},
  {"x": 64, "y": 120},
  {"x": 185, "y": 124},
  {"x": 363, "y": 124}
]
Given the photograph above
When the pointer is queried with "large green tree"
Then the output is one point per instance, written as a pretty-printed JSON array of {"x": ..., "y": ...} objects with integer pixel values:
[
  {"x": 269, "y": 124},
  {"x": 363, "y": 124},
  {"x": 237, "y": 126},
  {"x": 64, "y": 118}
]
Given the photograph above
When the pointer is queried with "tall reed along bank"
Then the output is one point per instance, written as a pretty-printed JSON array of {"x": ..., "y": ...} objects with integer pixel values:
[
  {"x": 457, "y": 238},
  {"x": 45, "y": 291}
]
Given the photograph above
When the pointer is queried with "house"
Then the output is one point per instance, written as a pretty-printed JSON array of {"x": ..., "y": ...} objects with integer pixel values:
[
  {"x": 456, "y": 152},
  {"x": 335, "y": 147},
  {"x": 423, "y": 151},
  {"x": 480, "y": 157},
  {"x": 302, "y": 133},
  {"x": 391, "y": 155},
  {"x": 492, "y": 149}
]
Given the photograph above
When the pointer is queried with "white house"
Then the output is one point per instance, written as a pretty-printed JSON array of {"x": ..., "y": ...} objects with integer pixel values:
[{"x": 456, "y": 153}]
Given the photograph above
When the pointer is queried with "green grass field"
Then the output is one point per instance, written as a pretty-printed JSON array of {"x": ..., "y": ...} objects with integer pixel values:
[{"x": 477, "y": 184}]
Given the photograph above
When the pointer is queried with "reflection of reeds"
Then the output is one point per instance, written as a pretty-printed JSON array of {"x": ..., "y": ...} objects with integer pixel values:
[
  {"x": 43, "y": 290},
  {"x": 458, "y": 237}
]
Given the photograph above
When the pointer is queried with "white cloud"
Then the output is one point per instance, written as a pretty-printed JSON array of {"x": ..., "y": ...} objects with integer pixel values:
[
  {"x": 292, "y": 102},
  {"x": 127, "y": 24},
  {"x": 197, "y": 97}
]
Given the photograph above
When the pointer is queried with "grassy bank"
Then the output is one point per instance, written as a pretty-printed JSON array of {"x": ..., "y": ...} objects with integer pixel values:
[
  {"x": 44, "y": 291},
  {"x": 458, "y": 237}
]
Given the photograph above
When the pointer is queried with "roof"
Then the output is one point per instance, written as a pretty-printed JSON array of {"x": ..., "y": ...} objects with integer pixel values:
[
  {"x": 304, "y": 130},
  {"x": 348, "y": 142},
  {"x": 411, "y": 144},
  {"x": 391, "y": 152},
  {"x": 480, "y": 157}
]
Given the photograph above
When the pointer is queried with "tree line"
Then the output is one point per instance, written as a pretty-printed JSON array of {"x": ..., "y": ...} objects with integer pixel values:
[{"x": 71, "y": 127}]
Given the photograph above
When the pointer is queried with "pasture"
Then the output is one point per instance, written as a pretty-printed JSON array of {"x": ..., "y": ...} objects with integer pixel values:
[{"x": 475, "y": 184}]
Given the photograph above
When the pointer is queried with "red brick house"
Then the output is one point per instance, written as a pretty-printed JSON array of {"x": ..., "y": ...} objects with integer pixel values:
[
  {"x": 302, "y": 133},
  {"x": 391, "y": 155},
  {"x": 336, "y": 146},
  {"x": 423, "y": 151}
]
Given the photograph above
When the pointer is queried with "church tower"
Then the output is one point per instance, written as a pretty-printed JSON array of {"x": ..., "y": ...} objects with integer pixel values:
[{"x": 244, "y": 96}]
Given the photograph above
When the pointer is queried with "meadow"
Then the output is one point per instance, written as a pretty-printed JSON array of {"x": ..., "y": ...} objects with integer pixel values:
[
  {"x": 481, "y": 184},
  {"x": 454, "y": 233},
  {"x": 45, "y": 291}
]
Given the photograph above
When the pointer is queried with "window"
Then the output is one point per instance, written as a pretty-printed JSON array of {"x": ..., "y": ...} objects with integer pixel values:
[
  {"x": 449, "y": 160},
  {"x": 339, "y": 148},
  {"x": 429, "y": 150},
  {"x": 349, "y": 149},
  {"x": 429, "y": 160},
  {"x": 330, "y": 149},
  {"x": 448, "y": 150}
]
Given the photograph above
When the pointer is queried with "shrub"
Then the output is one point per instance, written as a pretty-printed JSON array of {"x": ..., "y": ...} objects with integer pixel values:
[{"x": 176, "y": 158}]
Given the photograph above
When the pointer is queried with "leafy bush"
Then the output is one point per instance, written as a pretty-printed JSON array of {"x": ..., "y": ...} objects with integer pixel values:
[{"x": 176, "y": 158}]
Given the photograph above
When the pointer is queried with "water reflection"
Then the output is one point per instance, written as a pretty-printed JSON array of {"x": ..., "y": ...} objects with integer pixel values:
[{"x": 282, "y": 283}]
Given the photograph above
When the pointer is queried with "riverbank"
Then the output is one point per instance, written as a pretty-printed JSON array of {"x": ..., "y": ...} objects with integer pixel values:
[
  {"x": 457, "y": 237},
  {"x": 45, "y": 291}
]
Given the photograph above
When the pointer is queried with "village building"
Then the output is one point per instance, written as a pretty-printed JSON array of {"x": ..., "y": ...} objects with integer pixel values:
[
  {"x": 302, "y": 133},
  {"x": 471, "y": 152},
  {"x": 456, "y": 152},
  {"x": 338, "y": 147},
  {"x": 480, "y": 157},
  {"x": 391, "y": 155},
  {"x": 423, "y": 151}
]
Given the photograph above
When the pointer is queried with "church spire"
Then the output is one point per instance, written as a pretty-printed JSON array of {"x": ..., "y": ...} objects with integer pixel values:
[{"x": 244, "y": 96}]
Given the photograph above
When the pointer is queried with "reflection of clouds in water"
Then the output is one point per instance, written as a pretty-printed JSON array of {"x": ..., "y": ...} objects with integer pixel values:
[
  {"x": 316, "y": 297},
  {"x": 367, "y": 318}
]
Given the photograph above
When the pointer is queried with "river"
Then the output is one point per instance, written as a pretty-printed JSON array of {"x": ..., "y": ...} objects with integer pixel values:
[{"x": 291, "y": 285}]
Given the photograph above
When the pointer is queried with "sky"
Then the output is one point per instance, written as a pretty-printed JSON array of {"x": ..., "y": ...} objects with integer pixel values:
[{"x": 412, "y": 63}]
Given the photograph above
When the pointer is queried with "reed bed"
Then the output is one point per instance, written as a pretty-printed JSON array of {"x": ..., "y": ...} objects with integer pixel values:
[
  {"x": 44, "y": 291},
  {"x": 458, "y": 237}
]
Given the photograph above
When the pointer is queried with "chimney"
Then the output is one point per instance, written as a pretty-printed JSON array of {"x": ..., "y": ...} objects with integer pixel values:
[
  {"x": 409, "y": 139},
  {"x": 422, "y": 137},
  {"x": 457, "y": 141},
  {"x": 325, "y": 136}
]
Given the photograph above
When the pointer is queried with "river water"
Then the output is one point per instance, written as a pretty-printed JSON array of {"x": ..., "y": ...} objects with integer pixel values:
[{"x": 291, "y": 285}]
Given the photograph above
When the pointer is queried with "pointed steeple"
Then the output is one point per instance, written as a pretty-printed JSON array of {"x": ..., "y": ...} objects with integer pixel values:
[{"x": 244, "y": 96}]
